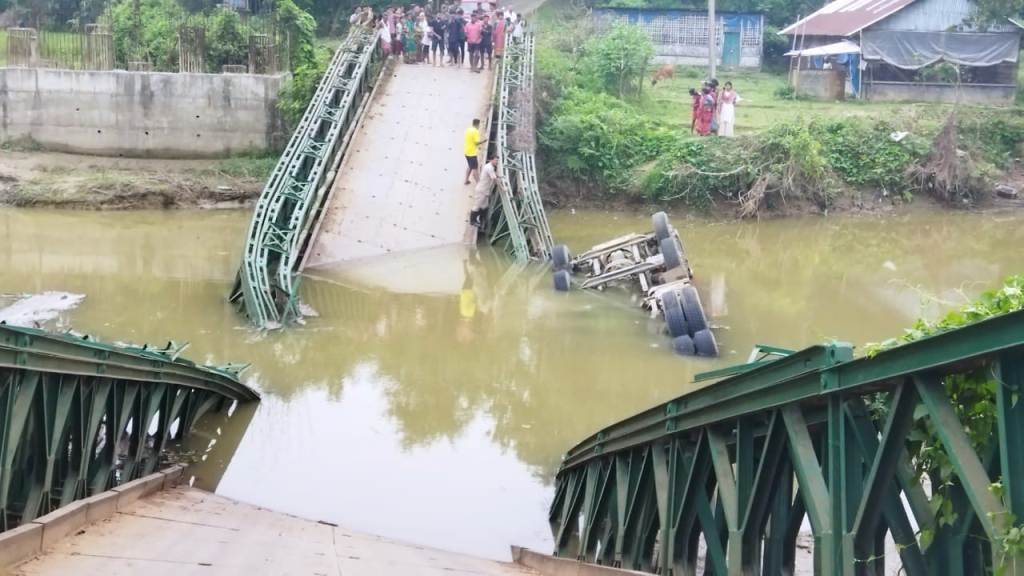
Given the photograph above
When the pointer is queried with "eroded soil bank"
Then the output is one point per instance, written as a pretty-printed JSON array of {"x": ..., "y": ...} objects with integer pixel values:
[{"x": 52, "y": 179}]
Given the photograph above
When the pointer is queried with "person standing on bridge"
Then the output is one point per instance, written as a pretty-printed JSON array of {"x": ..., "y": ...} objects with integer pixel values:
[
  {"x": 455, "y": 38},
  {"x": 486, "y": 43},
  {"x": 423, "y": 32},
  {"x": 484, "y": 186},
  {"x": 437, "y": 28},
  {"x": 474, "y": 33},
  {"x": 518, "y": 30},
  {"x": 471, "y": 140}
]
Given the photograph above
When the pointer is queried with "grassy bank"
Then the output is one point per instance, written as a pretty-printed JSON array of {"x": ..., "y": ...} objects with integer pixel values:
[
  {"x": 607, "y": 136},
  {"x": 49, "y": 179}
]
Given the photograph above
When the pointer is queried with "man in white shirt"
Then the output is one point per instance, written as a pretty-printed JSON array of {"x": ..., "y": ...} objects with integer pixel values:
[{"x": 482, "y": 195}]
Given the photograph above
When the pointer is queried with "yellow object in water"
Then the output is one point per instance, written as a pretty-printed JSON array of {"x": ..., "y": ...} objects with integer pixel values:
[{"x": 467, "y": 303}]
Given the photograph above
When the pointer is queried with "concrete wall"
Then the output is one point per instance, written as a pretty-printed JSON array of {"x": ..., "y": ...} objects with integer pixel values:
[
  {"x": 750, "y": 56},
  {"x": 821, "y": 84},
  {"x": 993, "y": 95},
  {"x": 150, "y": 114}
]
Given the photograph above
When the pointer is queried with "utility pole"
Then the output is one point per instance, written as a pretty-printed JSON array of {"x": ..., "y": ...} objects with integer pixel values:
[{"x": 712, "y": 37}]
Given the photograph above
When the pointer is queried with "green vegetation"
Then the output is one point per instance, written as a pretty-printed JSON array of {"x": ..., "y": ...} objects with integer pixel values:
[
  {"x": 254, "y": 165},
  {"x": 226, "y": 38},
  {"x": 974, "y": 396},
  {"x": 298, "y": 91},
  {"x": 605, "y": 135}
]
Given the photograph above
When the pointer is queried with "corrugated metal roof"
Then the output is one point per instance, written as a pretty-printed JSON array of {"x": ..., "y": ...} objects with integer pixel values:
[{"x": 846, "y": 17}]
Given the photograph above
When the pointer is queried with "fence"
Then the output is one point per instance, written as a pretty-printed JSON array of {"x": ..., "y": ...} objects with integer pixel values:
[{"x": 258, "y": 46}]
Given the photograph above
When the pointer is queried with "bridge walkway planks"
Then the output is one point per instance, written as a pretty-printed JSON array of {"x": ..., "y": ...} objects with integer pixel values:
[
  {"x": 184, "y": 531},
  {"x": 401, "y": 187}
]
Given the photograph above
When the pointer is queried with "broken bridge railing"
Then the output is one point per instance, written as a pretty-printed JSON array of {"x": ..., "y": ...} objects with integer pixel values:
[
  {"x": 81, "y": 416},
  {"x": 267, "y": 286},
  {"x": 725, "y": 476},
  {"x": 516, "y": 218}
]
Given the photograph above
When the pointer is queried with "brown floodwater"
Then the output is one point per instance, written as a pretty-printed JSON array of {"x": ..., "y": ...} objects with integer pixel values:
[{"x": 399, "y": 412}]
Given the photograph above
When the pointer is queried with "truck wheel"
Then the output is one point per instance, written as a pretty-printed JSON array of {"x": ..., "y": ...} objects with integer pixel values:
[
  {"x": 662, "y": 228},
  {"x": 563, "y": 281},
  {"x": 693, "y": 310},
  {"x": 674, "y": 316},
  {"x": 560, "y": 257},
  {"x": 684, "y": 346},
  {"x": 670, "y": 252},
  {"x": 705, "y": 344}
]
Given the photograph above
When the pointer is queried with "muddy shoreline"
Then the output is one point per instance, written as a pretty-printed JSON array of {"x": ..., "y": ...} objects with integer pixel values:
[
  {"x": 855, "y": 202},
  {"x": 58, "y": 180}
]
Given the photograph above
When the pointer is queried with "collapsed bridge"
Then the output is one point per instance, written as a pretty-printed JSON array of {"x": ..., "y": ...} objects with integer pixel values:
[{"x": 375, "y": 167}]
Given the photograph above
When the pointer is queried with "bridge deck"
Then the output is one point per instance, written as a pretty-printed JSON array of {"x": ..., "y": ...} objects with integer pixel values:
[
  {"x": 401, "y": 187},
  {"x": 186, "y": 531}
]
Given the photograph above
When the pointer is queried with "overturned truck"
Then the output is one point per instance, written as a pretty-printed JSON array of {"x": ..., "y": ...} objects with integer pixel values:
[{"x": 655, "y": 265}]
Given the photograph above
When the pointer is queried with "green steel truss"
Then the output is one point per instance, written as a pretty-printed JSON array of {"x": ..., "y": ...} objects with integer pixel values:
[
  {"x": 80, "y": 417},
  {"x": 734, "y": 468},
  {"x": 516, "y": 218},
  {"x": 266, "y": 288}
]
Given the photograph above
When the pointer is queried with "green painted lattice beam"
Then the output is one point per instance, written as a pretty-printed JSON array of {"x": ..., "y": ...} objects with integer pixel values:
[
  {"x": 516, "y": 219},
  {"x": 739, "y": 464},
  {"x": 80, "y": 416},
  {"x": 267, "y": 285}
]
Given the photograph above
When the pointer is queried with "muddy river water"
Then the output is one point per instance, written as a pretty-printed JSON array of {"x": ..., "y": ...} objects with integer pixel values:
[{"x": 403, "y": 411}]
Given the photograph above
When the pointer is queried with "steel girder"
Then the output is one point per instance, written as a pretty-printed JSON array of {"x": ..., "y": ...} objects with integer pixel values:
[
  {"x": 740, "y": 463},
  {"x": 80, "y": 416},
  {"x": 516, "y": 218},
  {"x": 266, "y": 288}
]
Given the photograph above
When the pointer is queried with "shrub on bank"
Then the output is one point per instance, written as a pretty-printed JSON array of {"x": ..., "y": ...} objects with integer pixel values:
[{"x": 598, "y": 138}]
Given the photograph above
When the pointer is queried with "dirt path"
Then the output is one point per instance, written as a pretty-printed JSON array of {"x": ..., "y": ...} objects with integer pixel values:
[{"x": 92, "y": 182}]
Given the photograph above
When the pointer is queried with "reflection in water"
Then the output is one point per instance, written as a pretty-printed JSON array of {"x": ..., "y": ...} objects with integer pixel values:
[{"x": 441, "y": 417}]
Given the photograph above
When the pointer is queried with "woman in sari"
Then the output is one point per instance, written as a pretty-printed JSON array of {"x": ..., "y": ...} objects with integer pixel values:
[
  {"x": 706, "y": 115},
  {"x": 409, "y": 38}
]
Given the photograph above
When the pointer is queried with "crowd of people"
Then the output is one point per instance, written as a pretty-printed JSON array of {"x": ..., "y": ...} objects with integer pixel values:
[
  {"x": 714, "y": 110},
  {"x": 418, "y": 34}
]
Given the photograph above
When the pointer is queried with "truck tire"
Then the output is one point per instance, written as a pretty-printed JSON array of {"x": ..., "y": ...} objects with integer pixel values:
[
  {"x": 674, "y": 316},
  {"x": 670, "y": 252},
  {"x": 684, "y": 346},
  {"x": 561, "y": 258},
  {"x": 563, "y": 281},
  {"x": 705, "y": 344},
  {"x": 693, "y": 310},
  {"x": 662, "y": 228}
]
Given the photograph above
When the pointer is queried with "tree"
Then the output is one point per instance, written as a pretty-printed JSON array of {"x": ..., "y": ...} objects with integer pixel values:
[
  {"x": 226, "y": 40},
  {"x": 620, "y": 58}
]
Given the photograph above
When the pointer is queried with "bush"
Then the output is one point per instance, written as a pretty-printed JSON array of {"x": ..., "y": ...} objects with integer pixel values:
[
  {"x": 226, "y": 40},
  {"x": 696, "y": 172},
  {"x": 865, "y": 156},
  {"x": 774, "y": 48},
  {"x": 301, "y": 29},
  {"x": 299, "y": 89},
  {"x": 620, "y": 58},
  {"x": 599, "y": 138},
  {"x": 158, "y": 36},
  {"x": 997, "y": 135}
]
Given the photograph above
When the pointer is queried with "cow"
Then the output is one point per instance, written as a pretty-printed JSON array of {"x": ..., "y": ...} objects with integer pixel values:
[{"x": 664, "y": 72}]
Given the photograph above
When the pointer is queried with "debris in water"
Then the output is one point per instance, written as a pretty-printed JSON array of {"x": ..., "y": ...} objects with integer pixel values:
[
  {"x": 1005, "y": 191},
  {"x": 33, "y": 309},
  {"x": 307, "y": 311},
  {"x": 889, "y": 265}
]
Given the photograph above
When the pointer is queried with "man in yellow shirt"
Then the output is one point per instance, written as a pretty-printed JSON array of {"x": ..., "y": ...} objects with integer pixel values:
[{"x": 470, "y": 142}]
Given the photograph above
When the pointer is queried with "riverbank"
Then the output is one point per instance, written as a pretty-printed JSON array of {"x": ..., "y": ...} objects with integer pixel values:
[
  {"x": 607, "y": 136},
  {"x": 52, "y": 179}
]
